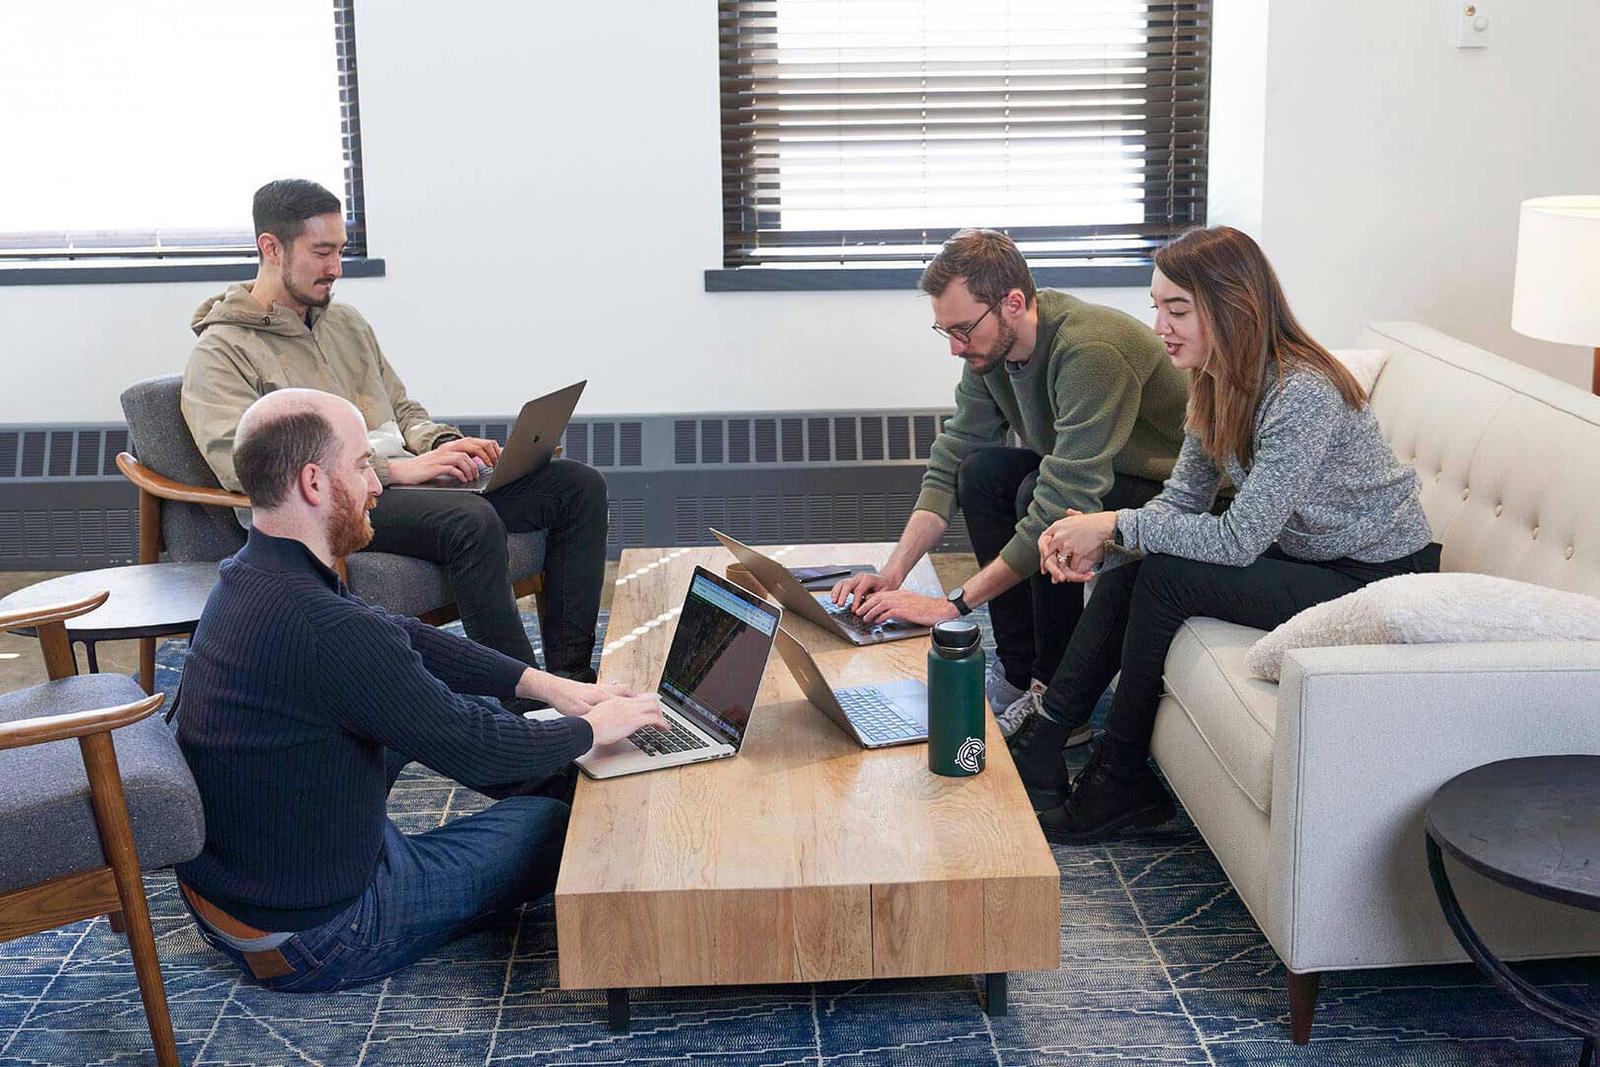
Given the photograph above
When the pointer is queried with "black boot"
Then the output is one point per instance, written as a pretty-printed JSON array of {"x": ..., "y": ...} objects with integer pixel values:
[
  {"x": 1036, "y": 750},
  {"x": 1105, "y": 799}
]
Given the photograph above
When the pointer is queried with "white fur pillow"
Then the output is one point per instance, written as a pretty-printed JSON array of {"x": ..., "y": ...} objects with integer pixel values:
[
  {"x": 1364, "y": 363},
  {"x": 1430, "y": 608}
]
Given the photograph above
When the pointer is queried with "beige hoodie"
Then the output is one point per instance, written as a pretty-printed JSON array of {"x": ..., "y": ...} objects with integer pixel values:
[{"x": 246, "y": 351}]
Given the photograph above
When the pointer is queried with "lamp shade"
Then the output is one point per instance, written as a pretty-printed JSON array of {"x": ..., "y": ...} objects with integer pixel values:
[{"x": 1556, "y": 296}]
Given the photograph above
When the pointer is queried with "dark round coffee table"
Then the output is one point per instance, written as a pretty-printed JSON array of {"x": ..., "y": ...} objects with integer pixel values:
[
  {"x": 1532, "y": 824},
  {"x": 148, "y": 600}
]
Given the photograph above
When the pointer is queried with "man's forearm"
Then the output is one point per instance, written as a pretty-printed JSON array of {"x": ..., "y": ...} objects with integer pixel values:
[
  {"x": 990, "y": 582},
  {"x": 923, "y": 530}
]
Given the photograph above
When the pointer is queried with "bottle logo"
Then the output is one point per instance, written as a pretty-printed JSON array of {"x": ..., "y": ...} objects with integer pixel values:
[{"x": 969, "y": 757}]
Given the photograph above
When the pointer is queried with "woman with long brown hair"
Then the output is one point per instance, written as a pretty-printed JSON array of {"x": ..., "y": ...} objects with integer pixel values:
[{"x": 1321, "y": 508}]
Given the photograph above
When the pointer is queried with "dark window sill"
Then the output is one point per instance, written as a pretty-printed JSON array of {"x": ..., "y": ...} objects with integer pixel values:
[
  {"x": 127, "y": 271},
  {"x": 780, "y": 279}
]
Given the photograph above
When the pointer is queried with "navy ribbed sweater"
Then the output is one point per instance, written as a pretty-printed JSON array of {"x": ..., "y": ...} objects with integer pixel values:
[{"x": 292, "y": 691}]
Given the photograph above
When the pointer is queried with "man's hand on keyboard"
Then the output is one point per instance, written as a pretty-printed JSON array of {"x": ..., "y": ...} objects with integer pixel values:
[
  {"x": 859, "y": 585},
  {"x": 482, "y": 449},
  {"x": 906, "y": 606},
  {"x": 616, "y": 718},
  {"x": 569, "y": 697}
]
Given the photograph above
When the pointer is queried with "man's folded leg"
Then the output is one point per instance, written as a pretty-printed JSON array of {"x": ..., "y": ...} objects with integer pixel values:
[{"x": 427, "y": 890}]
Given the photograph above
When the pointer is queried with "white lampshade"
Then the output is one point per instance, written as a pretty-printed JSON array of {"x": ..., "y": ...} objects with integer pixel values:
[{"x": 1556, "y": 296}]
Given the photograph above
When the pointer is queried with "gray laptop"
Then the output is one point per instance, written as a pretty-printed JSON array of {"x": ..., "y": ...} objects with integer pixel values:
[
  {"x": 708, "y": 686},
  {"x": 533, "y": 440},
  {"x": 877, "y": 716},
  {"x": 815, "y": 607}
]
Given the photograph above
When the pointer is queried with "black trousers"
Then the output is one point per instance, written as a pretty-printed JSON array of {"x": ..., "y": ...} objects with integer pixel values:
[
  {"x": 1034, "y": 619},
  {"x": 466, "y": 532},
  {"x": 1137, "y": 608}
]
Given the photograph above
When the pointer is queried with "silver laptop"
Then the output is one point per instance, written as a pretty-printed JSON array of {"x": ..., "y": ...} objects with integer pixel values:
[
  {"x": 815, "y": 607},
  {"x": 708, "y": 685},
  {"x": 533, "y": 440},
  {"x": 877, "y": 716}
]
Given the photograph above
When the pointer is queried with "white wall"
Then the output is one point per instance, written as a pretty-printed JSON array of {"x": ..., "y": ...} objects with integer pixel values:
[
  {"x": 1395, "y": 162},
  {"x": 503, "y": 225}
]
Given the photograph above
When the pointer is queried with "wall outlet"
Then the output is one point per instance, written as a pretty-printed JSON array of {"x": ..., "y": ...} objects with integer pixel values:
[{"x": 1471, "y": 23}]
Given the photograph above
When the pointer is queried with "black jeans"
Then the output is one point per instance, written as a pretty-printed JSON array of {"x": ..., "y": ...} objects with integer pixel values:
[
  {"x": 466, "y": 532},
  {"x": 1034, "y": 618},
  {"x": 1137, "y": 608}
]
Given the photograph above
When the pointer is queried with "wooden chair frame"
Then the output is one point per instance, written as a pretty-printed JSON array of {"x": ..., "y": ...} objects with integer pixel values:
[
  {"x": 115, "y": 889},
  {"x": 155, "y": 489}
]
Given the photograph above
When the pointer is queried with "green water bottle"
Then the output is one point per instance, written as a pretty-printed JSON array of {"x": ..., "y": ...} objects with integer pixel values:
[{"x": 956, "y": 719}]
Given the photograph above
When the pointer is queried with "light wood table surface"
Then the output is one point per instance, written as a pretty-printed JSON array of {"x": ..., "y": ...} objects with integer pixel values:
[{"x": 805, "y": 857}]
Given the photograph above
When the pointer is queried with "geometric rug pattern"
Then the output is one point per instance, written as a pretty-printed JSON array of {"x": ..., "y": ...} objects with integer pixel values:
[{"x": 1161, "y": 964}]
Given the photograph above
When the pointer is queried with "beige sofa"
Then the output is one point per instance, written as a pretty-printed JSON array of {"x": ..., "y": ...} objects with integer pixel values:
[{"x": 1311, "y": 793}]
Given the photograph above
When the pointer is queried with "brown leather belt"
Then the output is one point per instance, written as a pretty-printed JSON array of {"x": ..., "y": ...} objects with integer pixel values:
[{"x": 266, "y": 963}]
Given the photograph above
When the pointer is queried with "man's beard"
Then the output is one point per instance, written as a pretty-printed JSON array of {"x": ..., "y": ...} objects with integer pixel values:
[
  {"x": 996, "y": 355},
  {"x": 302, "y": 297},
  {"x": 349, "y": 529}
]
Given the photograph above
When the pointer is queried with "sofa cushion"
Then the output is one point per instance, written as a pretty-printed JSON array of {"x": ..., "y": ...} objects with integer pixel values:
[
  {"x": 47, "y": 825},
  {"x": 1235, "y": 713}
]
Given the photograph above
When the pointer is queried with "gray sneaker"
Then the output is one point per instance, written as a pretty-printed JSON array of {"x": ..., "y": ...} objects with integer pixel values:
[
  {"x": 999, "y": 691},
  {"x": 1013, "y": 715},
  {"x": 1032, "y": 703}
]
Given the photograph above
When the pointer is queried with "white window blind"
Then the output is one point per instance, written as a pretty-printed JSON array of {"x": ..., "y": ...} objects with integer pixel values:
[
  {"x": 143, "y": 128},
  {"x": 862, "y": 133}
]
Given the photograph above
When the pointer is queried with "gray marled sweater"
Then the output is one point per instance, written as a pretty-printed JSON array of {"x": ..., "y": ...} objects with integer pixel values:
[{"x": 1323, "y": 485}]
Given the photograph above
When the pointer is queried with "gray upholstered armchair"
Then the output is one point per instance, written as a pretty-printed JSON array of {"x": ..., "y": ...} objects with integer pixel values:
[
  {"x": 78, "y": 822},
  {"x": 185, "y": 515}
]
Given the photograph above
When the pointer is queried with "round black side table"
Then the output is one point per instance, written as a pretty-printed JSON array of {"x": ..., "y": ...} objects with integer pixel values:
[
  {"x": 147, "y": 600},
  {"x": 1532, "y": 824}
]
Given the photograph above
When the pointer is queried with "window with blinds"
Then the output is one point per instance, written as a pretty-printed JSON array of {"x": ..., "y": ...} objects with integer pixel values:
[
  {"x": 135, "y": 130},
  {"x": 860, "y": 134}
]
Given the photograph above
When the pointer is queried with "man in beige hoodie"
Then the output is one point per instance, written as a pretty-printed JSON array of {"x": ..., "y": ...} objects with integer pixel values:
[{"x": 284, "y": 330}]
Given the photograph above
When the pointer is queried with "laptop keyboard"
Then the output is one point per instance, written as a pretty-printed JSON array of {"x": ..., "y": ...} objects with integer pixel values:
[
  {"x": 875, "y": 717},
  {"x": 654, "y": 742},
  {"x": 855, "y": 623}
]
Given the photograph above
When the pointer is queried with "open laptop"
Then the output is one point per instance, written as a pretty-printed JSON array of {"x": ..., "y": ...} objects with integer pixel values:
[
  {"x": 708, "y": 685},
  {"x": 533, "y": 440},
  {"x": 815, "y": 607},
  {"x": 877, "y": 716}
]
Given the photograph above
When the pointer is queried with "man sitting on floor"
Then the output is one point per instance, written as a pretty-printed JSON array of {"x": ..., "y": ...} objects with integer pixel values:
[
  {"x": 300, "y": 704},
  {"x": 284, "y": 330}
]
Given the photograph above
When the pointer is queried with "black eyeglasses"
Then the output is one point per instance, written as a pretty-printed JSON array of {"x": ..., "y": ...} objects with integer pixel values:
[{"x": 963, "y": 333}]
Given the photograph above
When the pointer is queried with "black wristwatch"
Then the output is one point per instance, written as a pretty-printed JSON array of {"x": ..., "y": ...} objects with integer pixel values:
[{"x": 955, "y": 597}]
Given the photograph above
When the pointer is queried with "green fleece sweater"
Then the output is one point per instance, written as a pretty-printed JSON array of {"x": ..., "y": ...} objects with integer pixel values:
[{"x": 1097, "y": 398}]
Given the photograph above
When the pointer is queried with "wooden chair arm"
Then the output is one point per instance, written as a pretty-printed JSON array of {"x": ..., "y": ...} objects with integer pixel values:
[
  {"x": 44, "y": 728},
  {"x": 21, "y": 618},
  {"x": 157, "y": 485}
]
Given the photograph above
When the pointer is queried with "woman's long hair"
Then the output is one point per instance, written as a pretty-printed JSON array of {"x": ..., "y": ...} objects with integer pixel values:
[{"x": 1253, "y": 337}]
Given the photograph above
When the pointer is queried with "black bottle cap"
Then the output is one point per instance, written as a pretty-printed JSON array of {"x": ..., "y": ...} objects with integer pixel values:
[{"x": 956, "y": 636}]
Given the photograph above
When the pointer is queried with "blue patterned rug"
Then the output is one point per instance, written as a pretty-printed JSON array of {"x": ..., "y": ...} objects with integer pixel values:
[{"x": 1161, "y": 964}]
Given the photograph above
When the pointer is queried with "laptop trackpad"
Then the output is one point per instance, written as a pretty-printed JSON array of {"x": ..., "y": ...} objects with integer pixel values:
[{"x": 910, "y": 699}]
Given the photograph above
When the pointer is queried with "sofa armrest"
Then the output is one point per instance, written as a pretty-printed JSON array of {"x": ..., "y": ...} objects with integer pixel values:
[{"x": 1365, "y": 736}]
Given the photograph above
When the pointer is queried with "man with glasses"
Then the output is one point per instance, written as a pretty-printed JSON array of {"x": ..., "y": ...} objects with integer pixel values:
[
  {"x": 284, "y": 330},
  {"x": 1099, "y": 410}
]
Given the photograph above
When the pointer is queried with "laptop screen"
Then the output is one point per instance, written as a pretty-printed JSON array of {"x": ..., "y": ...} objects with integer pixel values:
[{"x": 718, "y": 654}]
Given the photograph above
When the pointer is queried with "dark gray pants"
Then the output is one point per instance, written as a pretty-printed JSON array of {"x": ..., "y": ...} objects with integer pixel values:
[{"x": 466, "y": 533}]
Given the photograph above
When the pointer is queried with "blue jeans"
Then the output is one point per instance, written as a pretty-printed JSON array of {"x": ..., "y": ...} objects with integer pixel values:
[{"x": 427, "y": 890}]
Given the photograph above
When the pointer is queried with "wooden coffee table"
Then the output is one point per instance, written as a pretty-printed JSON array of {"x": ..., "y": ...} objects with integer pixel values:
[{"x": 804, "y": 858}]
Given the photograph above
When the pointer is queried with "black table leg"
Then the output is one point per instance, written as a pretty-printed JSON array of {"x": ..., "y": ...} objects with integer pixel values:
[
  {"x": 617, "y": 1010},
  {"x": 94, "y": 662},
  {"x": 994, "y": 994},
  {"x": 1529, "y": 996}
]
